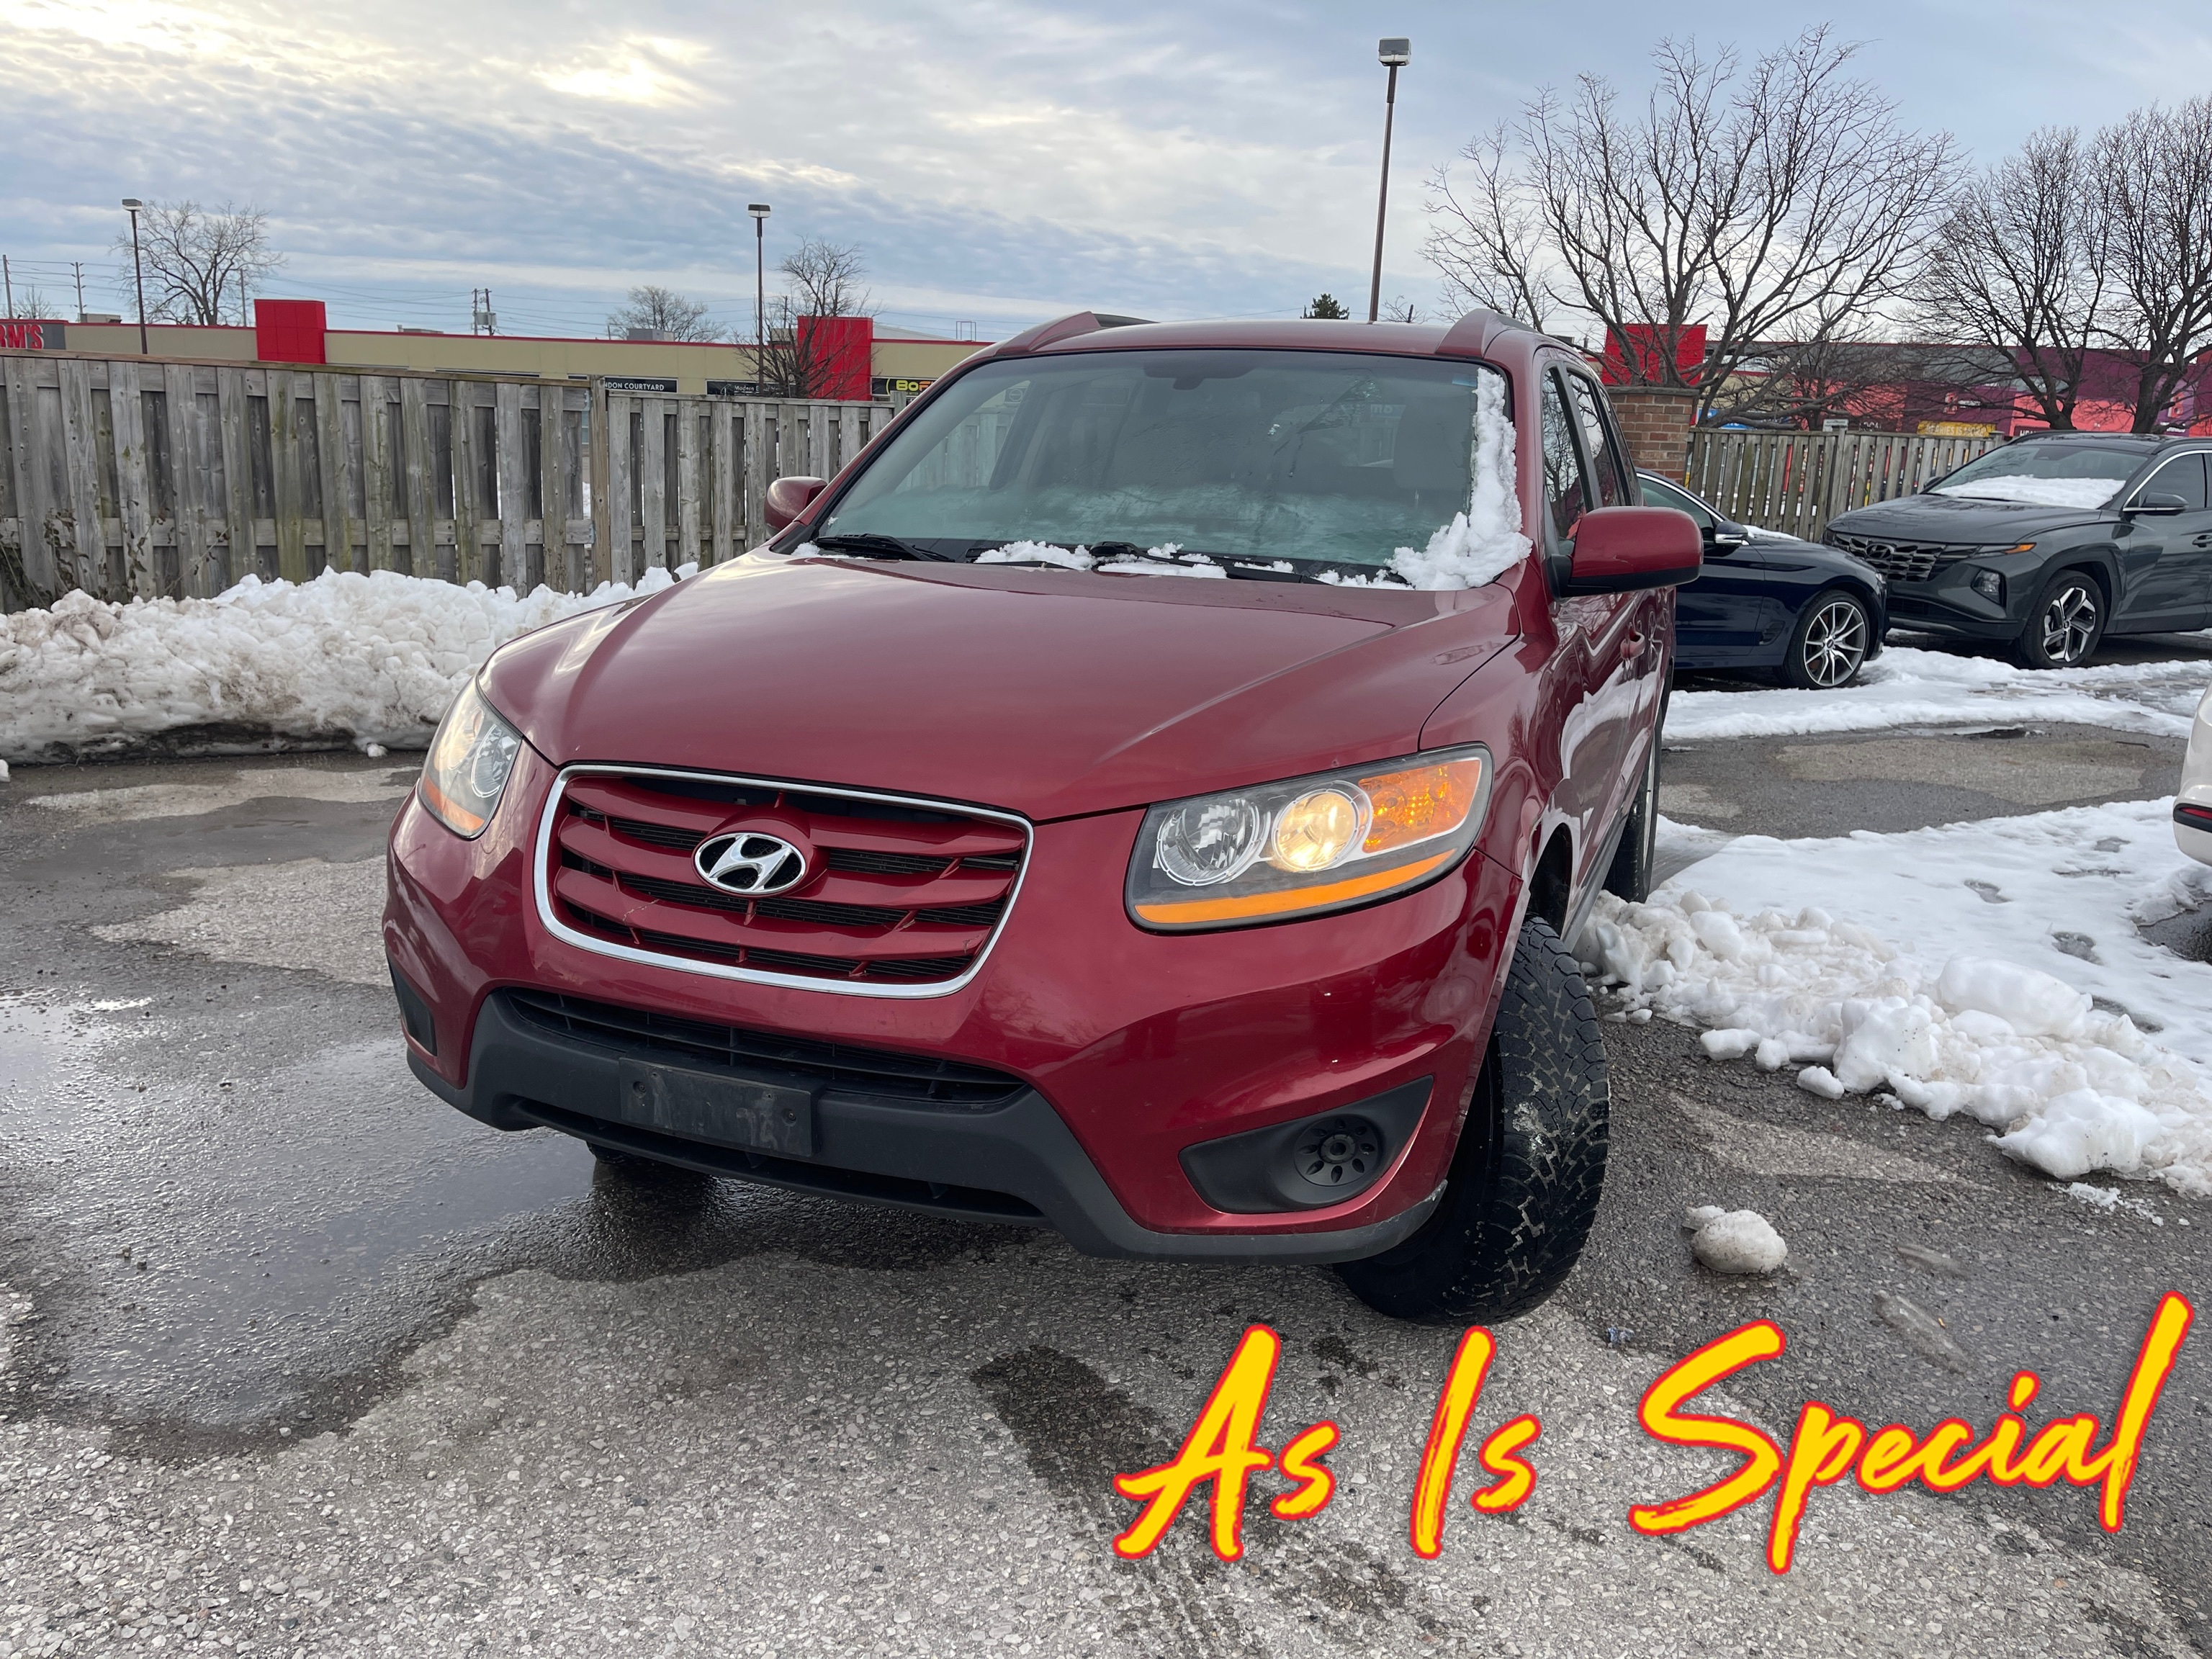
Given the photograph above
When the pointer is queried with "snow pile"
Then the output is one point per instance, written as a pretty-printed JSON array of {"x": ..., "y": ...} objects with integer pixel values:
[
  {"x": 1994, "y": 968},
  {"x": 372, "y": 658},
  {"x": 1482, "y": 544},
  {"x": 2034, "y": 492},
  {"x": 1909, "y": 687},
  {"x": 1735, "y": 1240}
]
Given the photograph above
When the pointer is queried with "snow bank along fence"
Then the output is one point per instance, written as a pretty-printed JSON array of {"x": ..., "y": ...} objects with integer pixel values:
[
  {"x": 1795, "y": 481},
  {"x": 132, "y": 477}
]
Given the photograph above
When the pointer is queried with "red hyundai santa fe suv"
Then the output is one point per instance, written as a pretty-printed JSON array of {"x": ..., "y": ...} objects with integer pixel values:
[{"x": 1150, "y": 793}]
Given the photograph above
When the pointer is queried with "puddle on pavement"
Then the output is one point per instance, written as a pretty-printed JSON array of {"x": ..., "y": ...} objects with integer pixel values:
[{"x": 211, "y": 1257}]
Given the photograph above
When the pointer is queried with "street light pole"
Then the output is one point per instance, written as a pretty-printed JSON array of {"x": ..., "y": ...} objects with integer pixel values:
[
  {"x": 137, "y": 270},
  {"x": 1395, "y": 54},
  {"x": 759, "y": 210}
]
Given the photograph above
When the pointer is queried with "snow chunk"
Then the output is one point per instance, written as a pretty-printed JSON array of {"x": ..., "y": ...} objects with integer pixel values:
[
  {"x": 1482, "y": 544},
  {"x": 2033, "y": 1004},
  {"x": 1819, "y": 1080},
  {"x": 1738, "y": 1241},
  {"x": 374, "y": 658},
  {"x": 2034, "y": 492}
]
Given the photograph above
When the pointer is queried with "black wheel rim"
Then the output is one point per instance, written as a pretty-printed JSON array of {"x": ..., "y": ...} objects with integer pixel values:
[
  {"x": 1835, "y": 643},
  {"x": 2068, "y": 624}
]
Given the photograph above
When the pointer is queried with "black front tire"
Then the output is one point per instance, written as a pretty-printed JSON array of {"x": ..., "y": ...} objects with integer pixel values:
[
  {"x": 1831, "y": 643},
  {"x": 2066, "y": 623},
  {"x": 1525, "y": 1183}
]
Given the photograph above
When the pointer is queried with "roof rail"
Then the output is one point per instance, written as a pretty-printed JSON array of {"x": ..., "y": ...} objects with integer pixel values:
[{"x": 1065, "y": 328}]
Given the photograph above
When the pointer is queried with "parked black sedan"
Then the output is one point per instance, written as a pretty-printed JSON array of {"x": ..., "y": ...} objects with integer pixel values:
[
  {"x": 1767, "y": 601},
  {"x": 2049, "y": 543}
]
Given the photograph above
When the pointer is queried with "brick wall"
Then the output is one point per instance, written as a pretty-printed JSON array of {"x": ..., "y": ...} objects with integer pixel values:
[{"x": 1655, "y": 424}]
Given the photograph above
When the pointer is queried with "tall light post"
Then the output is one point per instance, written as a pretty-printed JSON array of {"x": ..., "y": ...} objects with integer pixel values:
[
  {"x": 759, "y": 210},
  {"x": 137, "y": 270},
  {"x": 1394, "y": 54}
]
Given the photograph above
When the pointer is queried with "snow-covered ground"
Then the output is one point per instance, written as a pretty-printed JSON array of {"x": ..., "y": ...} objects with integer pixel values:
[
  {"x": 374, "y": 659},
  {"x": 1994, "y": 968},
  {"x": 1906, "y": 686}
]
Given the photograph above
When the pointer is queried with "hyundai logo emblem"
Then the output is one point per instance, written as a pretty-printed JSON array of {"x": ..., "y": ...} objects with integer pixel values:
[{"x": 751, "y": 862}]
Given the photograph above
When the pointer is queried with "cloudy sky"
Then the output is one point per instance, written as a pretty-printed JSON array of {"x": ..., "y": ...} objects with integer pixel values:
[{"x": 996, "y": 162}]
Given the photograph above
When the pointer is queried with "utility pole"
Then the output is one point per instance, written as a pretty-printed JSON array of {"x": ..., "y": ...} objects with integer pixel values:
[
  {"x": 7, "y": 282},
  {"x": 1395, "y": 54},
  {"x": 77, "y": 267},
  {"x": 482, "y": 319}
]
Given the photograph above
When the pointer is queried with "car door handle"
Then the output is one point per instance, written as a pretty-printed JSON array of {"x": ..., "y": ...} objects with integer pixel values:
[{"x": 2203, "y": 541}]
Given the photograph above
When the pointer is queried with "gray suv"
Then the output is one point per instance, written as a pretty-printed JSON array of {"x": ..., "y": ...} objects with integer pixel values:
[{"x": 2049, "y": 543}]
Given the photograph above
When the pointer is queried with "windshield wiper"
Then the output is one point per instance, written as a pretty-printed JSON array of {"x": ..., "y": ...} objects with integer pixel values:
[{"x": 871, "y": 544}]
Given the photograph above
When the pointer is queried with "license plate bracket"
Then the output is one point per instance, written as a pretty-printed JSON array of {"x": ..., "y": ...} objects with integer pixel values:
[{"x": 724, "y": 1109}]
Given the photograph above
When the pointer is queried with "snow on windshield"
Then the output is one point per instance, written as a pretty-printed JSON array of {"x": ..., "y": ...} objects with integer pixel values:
[
  {"x": 1482, "y": 544},
  {"x": 1399, "y": 471},
  {"x": 2034, "y": 492}
]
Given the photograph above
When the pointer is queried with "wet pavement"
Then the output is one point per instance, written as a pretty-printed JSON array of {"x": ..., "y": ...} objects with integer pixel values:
[{"x": 298, "y": 1359}]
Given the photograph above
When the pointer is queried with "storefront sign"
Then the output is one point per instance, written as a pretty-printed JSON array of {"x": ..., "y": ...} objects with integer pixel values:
[{"x": 18, "y": 334}]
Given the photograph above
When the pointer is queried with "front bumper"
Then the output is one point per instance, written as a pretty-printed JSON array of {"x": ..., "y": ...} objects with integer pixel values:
[
  {"x": 1014, "y": 1164},
  {"x": 1131, "y": 1047},
  {"x": 1947, "y": 603}
]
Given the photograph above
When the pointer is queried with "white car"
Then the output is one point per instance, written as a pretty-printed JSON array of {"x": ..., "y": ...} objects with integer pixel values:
[{"x": 2192, "y": 801}]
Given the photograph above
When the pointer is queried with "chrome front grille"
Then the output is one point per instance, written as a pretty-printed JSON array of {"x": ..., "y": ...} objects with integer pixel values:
[{"x": 905, "y": 899}]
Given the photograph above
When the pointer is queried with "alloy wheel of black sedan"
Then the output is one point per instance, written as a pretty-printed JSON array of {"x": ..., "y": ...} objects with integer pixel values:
[{"x": 1830, "y": 645}]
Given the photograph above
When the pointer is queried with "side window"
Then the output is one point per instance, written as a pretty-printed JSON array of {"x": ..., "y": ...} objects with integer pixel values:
[
  {"x": 1564, "y": 499},
  {"x": 2183, "y": 476},
  {"x": 1607, "y": 473},
  {"x": 1657, "y": 494}
]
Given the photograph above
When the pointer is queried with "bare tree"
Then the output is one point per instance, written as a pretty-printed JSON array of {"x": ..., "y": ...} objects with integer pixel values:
[
  {"x": 2019, "y": 265},
  {"x": 665, "y": 314},
  {"x": 1782, "y": 202},
  {"x": 1489, "y": 246},
  {"x": 2154, "y": 179},
  {"x": 29, "y": 302},
  {"x": 1399, "y": 309},
  {"x": 195, "y": 259},
  {"x": 823, "y": 281}
]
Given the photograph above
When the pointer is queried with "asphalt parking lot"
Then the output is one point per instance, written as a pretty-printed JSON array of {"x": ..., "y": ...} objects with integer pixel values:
[{"x": 298, "y": 1360}]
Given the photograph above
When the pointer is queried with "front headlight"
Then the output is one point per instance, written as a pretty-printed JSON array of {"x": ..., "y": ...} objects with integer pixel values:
[
  {"x": 470, "y": 760},
  {"x": 1307, "y": 845}
]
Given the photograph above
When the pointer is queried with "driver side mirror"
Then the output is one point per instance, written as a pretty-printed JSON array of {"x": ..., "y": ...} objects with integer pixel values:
[
  {"x": 1723, "y": 536},
  {"x": 1621, "y": 549},
  {"x": 2156, "y": 506},
  {"x": 787, "y": 498}
]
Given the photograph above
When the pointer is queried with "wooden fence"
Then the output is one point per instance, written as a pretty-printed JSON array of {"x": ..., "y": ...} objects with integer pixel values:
[
  {"x": 132, "y": 477},
  {"x": 1795, "y": 481}
]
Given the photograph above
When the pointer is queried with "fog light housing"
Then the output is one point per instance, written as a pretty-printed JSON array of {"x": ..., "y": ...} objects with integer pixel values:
[
  {"x": 1310, "y": 1163},
  {"x": 1990, "y": 585}
]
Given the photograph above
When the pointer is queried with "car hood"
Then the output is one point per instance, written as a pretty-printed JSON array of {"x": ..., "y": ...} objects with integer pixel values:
[
  {"x": 1962, "y": 519},
  {"x": 1052, "y": 693}
]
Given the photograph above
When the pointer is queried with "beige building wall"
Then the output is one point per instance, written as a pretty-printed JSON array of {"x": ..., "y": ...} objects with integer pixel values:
[{"x": 894, "y": 357}]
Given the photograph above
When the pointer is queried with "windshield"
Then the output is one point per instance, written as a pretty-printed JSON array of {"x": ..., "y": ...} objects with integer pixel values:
[
  {"x": 2047, "y": 472},
  {"x": 1279, "y": 460}
]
